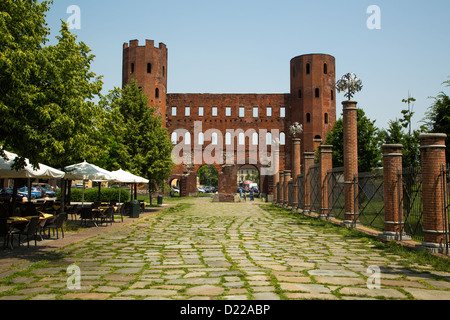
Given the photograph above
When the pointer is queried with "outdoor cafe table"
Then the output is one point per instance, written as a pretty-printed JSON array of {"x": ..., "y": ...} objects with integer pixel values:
[{"x": 20, "y": 223}]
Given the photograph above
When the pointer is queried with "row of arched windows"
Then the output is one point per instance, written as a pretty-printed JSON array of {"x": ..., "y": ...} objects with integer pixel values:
[
  {"x": 316, "y": 93},
  {"x": 308, "y": 69},
  {"x": 228, "y": 138},
  {"x": 325, "y": 118},
  {"x": 149, "y": 69}
]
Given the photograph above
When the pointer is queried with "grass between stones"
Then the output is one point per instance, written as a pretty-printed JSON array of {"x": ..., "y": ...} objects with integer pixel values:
[{"x": 410, "y": 256}]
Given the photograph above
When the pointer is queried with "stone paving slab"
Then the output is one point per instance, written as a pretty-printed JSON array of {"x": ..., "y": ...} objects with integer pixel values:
[{"x": 214, "y": 251}]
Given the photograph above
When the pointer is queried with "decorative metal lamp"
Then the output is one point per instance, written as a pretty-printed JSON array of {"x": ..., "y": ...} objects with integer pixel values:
[{"x": 349, "y": 84}]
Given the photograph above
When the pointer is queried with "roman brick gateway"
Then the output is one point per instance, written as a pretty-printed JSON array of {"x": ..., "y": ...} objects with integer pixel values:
[{"x": 311, "y": 102}]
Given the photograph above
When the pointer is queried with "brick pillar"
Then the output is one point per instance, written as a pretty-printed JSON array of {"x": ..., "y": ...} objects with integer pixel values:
[
  {"x": 308, "y": 162},
  {"x": 276, "y": 176},
  {"x": 295, "y": 170},
  {"x": 281, "y": 188},
  {"x": 432, "y": 150},
  {"x": 287, "y": 177},
  {"x": 326, "y": 163},
  {"x": 350, "y": 160},
  {"x": 393, "y": 190}
]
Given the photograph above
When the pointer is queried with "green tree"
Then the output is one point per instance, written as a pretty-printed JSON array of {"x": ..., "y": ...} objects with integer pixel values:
[
  {"x": 113, "y": 155},
  {"x": 70, "y": 126},
  {"x": 23, "y": 66},
  {"x": 395, "y": 134},
  {"x": 208, "y": 175},
  {"x": 369, "y": 143},
  {"x": 46, "y": 91},
  {"x": 145, "y": 139},
  {"x": 437, "y": 118}
]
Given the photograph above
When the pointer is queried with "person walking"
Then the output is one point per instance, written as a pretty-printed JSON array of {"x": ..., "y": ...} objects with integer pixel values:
[{"x": 251, "y": 195}]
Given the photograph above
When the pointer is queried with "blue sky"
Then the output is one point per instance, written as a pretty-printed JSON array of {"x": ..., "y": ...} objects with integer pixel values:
[{"x": 245, "y": 46}]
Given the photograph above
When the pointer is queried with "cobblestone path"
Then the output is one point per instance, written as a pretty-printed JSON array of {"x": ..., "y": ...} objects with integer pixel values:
[{"x": 221, "y": 251}]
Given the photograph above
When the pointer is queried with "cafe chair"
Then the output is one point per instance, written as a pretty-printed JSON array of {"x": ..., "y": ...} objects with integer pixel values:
[
  {"x": 86, "y": 214},
  {"x": 29, "y": 231},
  {"x": 56, "y": 225},
  {"x": 108, "y": 215},
  {"x": 74, "y": 211}
]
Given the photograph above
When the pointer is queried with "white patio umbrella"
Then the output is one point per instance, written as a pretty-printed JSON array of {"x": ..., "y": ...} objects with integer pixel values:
[
  {"x": 122, "y": 176},
  {"x": 43, "y": 172},
  {"x": 87, "y": 171}
]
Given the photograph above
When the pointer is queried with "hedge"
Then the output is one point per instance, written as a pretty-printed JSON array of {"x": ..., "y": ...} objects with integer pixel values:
[{"x": 91, "y": 195}]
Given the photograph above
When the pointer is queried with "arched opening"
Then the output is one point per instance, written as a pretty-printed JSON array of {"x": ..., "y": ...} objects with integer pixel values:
[
  {"x": 157, "y": 93},
  {"x": 241, "y": 139},
  {"x": 132, "y": 67},
  {"x": 174, "y": 138},
  {"x": 268, "y": 138},
  {"x": 207, "y": 179},
  {"x": 308, "y": 68},
  {"x": 214, "y": 138},
  {"x": 326, "y": 118},
  {"x": 308, "y": 118},
  {"x": 174, "y": 187},
  {"x": 201, "y": 138},
  {"x": 282, "y": 139},
  {"x": 187, "y": 138},
  {"x": 227, "y": 138},
  {"x": 149, "y": 68},
  {"x": 248, "y": 178},
  {"x": 255, "y": 139},
  {"x": 325, "y": 68}
]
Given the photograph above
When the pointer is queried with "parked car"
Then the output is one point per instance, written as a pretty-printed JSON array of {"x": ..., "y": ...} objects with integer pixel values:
[
  {"x": 176, "y": 189},
  {"x": 42, "y": 190},
  {"x": 35, "y": 193},
  {"x": 209, "y": 189},
  {"x": 9, "y": 192},
  {"x": 49, "y": 193},
  {"x": 201, "y": 190}
]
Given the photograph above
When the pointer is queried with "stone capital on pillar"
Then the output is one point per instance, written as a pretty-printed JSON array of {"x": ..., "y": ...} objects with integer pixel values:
[{"x": 349, "y": 104}]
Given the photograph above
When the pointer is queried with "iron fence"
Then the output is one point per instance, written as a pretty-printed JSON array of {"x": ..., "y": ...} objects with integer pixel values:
[
  {"x": 336, "y": 200},
  {"x": 411, "y": 202},
  {"x": 369, "y": 198},
  {"x": 314, "y": 188}
]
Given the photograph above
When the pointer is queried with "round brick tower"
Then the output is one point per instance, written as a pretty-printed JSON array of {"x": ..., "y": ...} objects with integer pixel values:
[
  {"x": 148, "y": 65},
  {"x": 313, "y": 97}
]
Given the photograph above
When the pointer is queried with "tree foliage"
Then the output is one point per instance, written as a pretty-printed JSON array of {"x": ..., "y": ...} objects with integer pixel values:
[
  {"x": 400, "y": 132},
  {"x": 22, "y": 66},
  {"x": 369, "y": 143},
  {"x": 208, "y": 175},
  {"x": 437, "y": 118},
  {"x": 143, "y": 145},
  {"x": 46, "y": 92}
]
